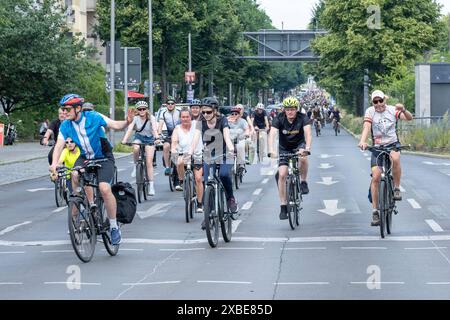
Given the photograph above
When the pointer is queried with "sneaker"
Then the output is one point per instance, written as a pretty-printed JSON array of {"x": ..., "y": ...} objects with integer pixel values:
[
  {"x": 151, "y": 191},
  {"x": 304, "y": 187},
  {"x": 167, "y": 171},
  {"x": 397, "y": 194},
  {"x": 283, "y": 212},
  {"x": 178, "y": 188},
  {"x": 375, "y": 219},
  {"x": 199, "y": 209},
  {"x": 116, "y": 236},
  {"x": 133, "y": 173},
  {"x": 203, "y": 225},
  {"x": 232, "y": 205}
]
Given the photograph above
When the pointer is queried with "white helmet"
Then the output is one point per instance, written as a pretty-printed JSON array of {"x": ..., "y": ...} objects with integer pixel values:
[
  {"x": 260, "y": 106},
  {"x": 141, "y": 104}
]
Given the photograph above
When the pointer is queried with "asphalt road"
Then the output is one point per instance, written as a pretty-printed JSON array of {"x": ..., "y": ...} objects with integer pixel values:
[{"x": 335, "y": 254}]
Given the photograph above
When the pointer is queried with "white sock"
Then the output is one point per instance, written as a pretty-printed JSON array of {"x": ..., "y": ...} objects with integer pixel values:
[
  {"x": 113, "y": 224},
  {"x": 151, "y": 184}
]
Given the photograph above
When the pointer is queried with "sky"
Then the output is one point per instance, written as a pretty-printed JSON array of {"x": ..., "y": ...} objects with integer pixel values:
[{"x": 295, "y": 14}]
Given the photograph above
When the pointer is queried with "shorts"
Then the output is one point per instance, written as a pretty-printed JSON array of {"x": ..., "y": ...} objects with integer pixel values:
[
  {"x": 145, "y": 139},
  {"x": 281, "y": 150},
  {"x": 373, "y": 159},
  {"x": 105, "y": 173}
]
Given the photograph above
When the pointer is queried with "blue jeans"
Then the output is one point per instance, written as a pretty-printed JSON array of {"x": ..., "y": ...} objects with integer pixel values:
[{"x": 224, "y": 174}]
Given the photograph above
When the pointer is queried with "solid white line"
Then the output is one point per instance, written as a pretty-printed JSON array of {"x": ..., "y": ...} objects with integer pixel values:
[
  {"x": 300, "y": 283},
  {"x": 10, "y": 283},
  {"x": 305, "y": 248},
  {"x": 56, "y": 251},
  {"x": 434, "y": 225},
  {"x": 247, "y": 205},
  {"x": 426, "y": 248},
  {"x": 40, "y": 189},
  {"x": 439, "y": 283},
  {"x": 376, "y": 282},
  {"x": 76, "y": 283},
  {"x": 11, "y": 228},
  {"x": 414, "y": 204},
  {"x": 241, "y": 248},
  {"x": 234, "y": 225},
  {"x": 12, "y": 252},
  {"x": 363, "y": 248},
  {"x": 60, "y": 209},
  {"x": 230, "y": 282},
  {"x": 127, "y": 249},
  {"x": 257, "y": 192},
  {"x": 149, "y": 283},
  {"x": 187, "y": 249},
  {"x": 265, "y": 181}
]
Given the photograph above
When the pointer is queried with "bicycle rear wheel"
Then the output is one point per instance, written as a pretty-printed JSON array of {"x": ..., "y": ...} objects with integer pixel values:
[
  {"x": 59, "y": 193},
  {"x": 382, "y": 207},
  {"x": 211, "y": 217},
  {"x": 391, "y": 205},
  {"x": 188, "y": 197},
  {"x": 145, "y": 183},
  {"x": 82, "y": 230},
  {"x": 105, "y": 229},
  {"x": 139, "y": 181},
  {"x": 291, "y": 201},
  {"x": 225, "y": 218}
]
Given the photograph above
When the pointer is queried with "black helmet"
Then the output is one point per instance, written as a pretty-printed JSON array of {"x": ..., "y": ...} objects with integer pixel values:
[
  {"x": 196, "y": 102},
  {"x": 210, "y": 102}
]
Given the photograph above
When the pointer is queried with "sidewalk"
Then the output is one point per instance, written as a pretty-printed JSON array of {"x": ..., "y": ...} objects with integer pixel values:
[{"x": 21, "y": 152}]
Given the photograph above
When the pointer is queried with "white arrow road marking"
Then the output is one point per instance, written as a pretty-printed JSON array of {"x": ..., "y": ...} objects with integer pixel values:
[
  {"x": 11, "y": 228},
  {"x": 247, "y": 205},
  {"x": 326, "y": 156},
  {"x": 40, "y": 189},
  {"x": 257, "y": 192},
  {"x": 325, "y": 166},
  {"x": 234, "y": 225},
  {"x": 328, "y": 181},
  {"x": 60, "y": 209},
  {"x": 156, "y": 209},
  {"x": 331, "y": 207},
  {"x": 414, "y": 204},
  {"x": 434, "y": 225}
]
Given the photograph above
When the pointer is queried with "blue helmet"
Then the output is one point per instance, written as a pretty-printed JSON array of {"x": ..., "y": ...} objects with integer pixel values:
[
  {"x": 196, "y": 102},
  {"x": 71, "y": 99}
]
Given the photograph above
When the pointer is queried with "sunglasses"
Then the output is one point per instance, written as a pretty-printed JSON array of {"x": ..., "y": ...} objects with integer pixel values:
[
  {"x": 377, "y": 101},
  {"x": 67, "y": 142},
  {"x": 234, "y": 113},
  {"x": 141, "y": 109},
  {"x": 171, "y": 103},
  {"x": 207, "y": 112},
  {"x": 66, "y": 109}
]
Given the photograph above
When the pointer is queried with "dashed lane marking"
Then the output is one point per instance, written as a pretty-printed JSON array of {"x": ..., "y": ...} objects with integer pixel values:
[
  {"x": 402, "y": 189},
  {"x": 60, "y": 209},
  {"x": 40, "y": 189},
  {"x": 187, "y": 249},
  {"x": 414, "y": 204},
  {"x": 234, "y": 225},
  {"x": 150, "y": 283},
  {"x": 376, "y": 282},
  {"x": 265, "y": 181},
  {"x": 10, "y": 283},
  {"x": 75, "y": 283},
  {"x": 57, "y": 251},
  {"x": 11, "y": 228},
  {"x": 301, "y": 283},
  {"x": 434, "y": 225},
  {"x": 257, "y": 192},
  {"x": 305, "y": 248},
  {"x": 225, "y": 282},
  {"x": 426, "y": 248},
  {"x": 237, "y": 248},
  {"x": 439, "y": 283},
  {"x": 11, "y": 252},
  {"x": 363, "y": 248},
  {"x": 247, "y": 205}
]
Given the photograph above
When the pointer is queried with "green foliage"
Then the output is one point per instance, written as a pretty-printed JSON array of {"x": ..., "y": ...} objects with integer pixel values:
[{"x": 122, "y": 148}]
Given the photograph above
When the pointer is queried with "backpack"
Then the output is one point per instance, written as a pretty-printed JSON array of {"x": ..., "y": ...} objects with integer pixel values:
[{"x": 126, "y": 201}]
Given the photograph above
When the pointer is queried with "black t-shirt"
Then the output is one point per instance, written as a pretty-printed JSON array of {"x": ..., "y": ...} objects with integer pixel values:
[
  {"x": 245, "y": 116},
  {"x": 258, "y": 119},
  {"x": 54, "y": 126},
  {"x": 291, "y": 134},
  {"x": 209, "y": 135}
]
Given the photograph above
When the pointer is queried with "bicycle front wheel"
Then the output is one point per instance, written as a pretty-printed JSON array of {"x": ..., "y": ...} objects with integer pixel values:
[
  {"x": 82, "y": 230},
  {"x": 59, "y": 193},
  {"x": 291, "y": 201},
  {"x": 105, "y": 229},
  {"x": 391, "y": 204},
  {"x": 225, "y": 218},
  {"x": 140, "y": 181},
  {"x": 211, "y": 217},
  {"x": 188, "y": 197},
  {"x": 382, "y": 206}
]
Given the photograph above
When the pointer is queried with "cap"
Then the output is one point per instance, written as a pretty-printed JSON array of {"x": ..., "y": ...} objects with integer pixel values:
[{"x": 377, "y": 93}]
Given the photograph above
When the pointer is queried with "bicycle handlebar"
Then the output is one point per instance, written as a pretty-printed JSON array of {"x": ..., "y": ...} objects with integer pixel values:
[{"x": 387, "y": 149}]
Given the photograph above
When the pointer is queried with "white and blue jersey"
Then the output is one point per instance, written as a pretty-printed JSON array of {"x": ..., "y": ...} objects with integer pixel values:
[{"x": 86, "y": 133}]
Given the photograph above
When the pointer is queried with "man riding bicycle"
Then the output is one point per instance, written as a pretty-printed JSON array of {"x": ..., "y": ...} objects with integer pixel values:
[
  {"x": 294, "y": 130},
  {"x": 170, "y": 117},
  {"x": 336, "y": 117},
  {"x": 261, "y": 126},
  {"x": 86, "y": 130},
  {"x": 317, "y": 116},
  {"x": 381, "y": 121}
]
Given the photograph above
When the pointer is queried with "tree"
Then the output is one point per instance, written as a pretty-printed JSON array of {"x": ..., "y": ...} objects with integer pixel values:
[{"x": 37, "y": 60}]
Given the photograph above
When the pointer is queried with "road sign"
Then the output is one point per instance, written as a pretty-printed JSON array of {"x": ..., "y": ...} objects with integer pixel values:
[
  {"x": 189, "y": 77},
  {"x": 134, "y": 67}
]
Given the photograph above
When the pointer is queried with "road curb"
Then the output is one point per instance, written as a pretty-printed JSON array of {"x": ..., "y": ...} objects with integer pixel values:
[
  {"x": 116, "y": 156},
  {"x": 414, "y": 153},
  {"x": 18, "y": 161}
]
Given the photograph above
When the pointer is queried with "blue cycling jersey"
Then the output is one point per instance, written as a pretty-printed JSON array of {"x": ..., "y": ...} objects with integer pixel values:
[{"x": 86, "y": 134}]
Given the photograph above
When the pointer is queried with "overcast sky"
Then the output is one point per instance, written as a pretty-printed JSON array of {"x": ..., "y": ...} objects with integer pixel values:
[{"x": 295, "y": 14}]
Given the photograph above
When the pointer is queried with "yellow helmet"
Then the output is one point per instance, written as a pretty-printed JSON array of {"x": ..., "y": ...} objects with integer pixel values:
[{"x": 290, "y": 102}]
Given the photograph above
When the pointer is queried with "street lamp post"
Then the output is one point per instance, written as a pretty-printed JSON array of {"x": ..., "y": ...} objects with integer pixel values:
[
  {"x": 150, "y": 57},
  {"x": 190, "y": 64},
  {"x": 112, "y": 69}
]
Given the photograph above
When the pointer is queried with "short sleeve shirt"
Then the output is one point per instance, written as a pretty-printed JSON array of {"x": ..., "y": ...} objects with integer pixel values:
[
  {"x": 237, "y": 128},
  {"x": 210, "y": 135},
  {"x": 258, "y": 119},
  {"x": 384, "y": 125},
  {"x": 291, "y": 135},
  {"x": 138, "y": 123}
]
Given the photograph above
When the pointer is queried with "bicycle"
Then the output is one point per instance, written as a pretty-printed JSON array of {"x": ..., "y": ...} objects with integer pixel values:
[
  {"x": 61, "y": 186},
  {"x": 238, "y": 169},
  {"x": 189, "y": 192},
  {"x": 259, "y": 150},
  {"x": 336, "y": 127},
  {"x": 317, "y": 127},
  {"x": 293, "y": 191},
  {"x": 142, "y": 180},
  {"x": 10, "y": 131},
  {"x": 86, "y": 221},
  {"x": 215, "y": 210},
  {"x": 386, "y": 203}
]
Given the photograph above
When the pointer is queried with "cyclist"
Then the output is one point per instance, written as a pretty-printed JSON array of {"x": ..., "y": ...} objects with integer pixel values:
[
  {"x": 317, "y": 116},
  {"x": 171, "y": 117},
  {"x": 336, "y": 116},
  {"x": 85, "y": 129},
  {"x": 381, "y": 121},
  {"x": 182, "y": 139},
  {"x": 294, "y": 130},
  {"x": 261, "y": 125},
  {"x": 196, "y": 109},
  {"x": 53, "y": 129},
  {"x": 68, "y": 157},
  {"x": 144, "y": 125},
  {"x": 215, "y": 133},
  {"x": 87, "y": 106},
  {"x": 238, "y": 130},
  {"x": 251, "y": 129}
]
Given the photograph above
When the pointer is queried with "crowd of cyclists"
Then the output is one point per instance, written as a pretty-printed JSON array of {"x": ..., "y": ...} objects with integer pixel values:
[{"x": 201, "y": 135}]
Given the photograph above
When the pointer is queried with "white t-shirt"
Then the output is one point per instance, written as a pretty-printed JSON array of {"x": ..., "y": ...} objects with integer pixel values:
[
  {"x": 384, "y": 125},
  {"x": 185, "y": 140}
]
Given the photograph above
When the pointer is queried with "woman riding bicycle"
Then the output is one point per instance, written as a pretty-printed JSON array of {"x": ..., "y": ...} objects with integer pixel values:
[
  {"x": 145, "y": 128},
  {"x": 238, "y": 130}
]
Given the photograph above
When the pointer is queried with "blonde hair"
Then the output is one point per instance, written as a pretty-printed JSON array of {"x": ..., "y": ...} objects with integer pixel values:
[{"x": 147, "y": 114}]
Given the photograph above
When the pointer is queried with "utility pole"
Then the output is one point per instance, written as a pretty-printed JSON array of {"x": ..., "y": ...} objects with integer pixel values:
[
  {"x": 150, "y": 58},
  {"x": 366, "y": 90},
  {"x": 125, "y": 88},
  {"x": 211, "y": 88},
  {"x": 112, "y": 69},
  {"x": 190, "y": 66},
  {"x": 230, "y": 95}
]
